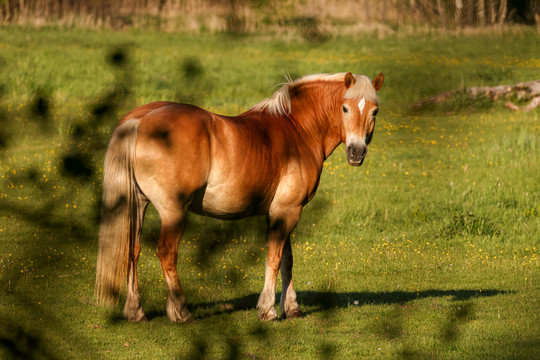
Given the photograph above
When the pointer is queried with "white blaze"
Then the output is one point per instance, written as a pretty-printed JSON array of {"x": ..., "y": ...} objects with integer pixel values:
[{"x": 361, "y": 105}]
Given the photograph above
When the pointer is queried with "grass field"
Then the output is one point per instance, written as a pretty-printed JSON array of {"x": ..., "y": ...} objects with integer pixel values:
[{"x": 427, "y": 251}]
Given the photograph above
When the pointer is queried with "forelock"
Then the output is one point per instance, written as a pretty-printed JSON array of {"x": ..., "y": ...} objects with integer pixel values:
[{"x": 363, "y": 87}]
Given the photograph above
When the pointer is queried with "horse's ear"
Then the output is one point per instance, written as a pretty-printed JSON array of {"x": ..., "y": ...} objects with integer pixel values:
[
  {"x": 349, "y": 80},
  {"x": 378, "y": 81}
]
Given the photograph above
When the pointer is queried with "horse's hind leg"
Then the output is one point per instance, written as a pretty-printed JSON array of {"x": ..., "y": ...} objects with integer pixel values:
[
  {"x": 172, "y": 227},
  {"x": 133, "y": 310}
]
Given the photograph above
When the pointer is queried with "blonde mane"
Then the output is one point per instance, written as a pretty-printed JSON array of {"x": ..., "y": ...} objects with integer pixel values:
[{"x": 280, "y": 102}]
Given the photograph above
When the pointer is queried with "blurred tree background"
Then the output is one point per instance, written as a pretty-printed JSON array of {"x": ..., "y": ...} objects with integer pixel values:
[{"x": 310, "y": 18}]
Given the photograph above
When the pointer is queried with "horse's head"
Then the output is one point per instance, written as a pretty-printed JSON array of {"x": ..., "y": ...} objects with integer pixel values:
[{"x": 359, "y": 109}]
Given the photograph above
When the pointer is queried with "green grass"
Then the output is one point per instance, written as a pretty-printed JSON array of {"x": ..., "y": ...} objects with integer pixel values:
[{"x": 428, "y": 251}]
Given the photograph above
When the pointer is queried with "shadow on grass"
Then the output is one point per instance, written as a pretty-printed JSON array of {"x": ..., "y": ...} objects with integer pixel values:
[
  {"x": 313, "y": 302},
  {"x": 35, "y": 333},
  {"x": 321, "y": 301},
  {"x": 24, "y": 344},
  {"x": 391, "y": 327}
]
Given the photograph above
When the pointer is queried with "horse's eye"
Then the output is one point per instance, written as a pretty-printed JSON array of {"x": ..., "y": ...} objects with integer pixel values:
[
  {"x": 345, "y": 110},
  {"x": 375, "y": 112}
]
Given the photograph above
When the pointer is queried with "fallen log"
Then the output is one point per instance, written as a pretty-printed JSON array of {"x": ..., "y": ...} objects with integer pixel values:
[
  {"x": 520, "y": 91},
  {"x": 535, "y": 102}
]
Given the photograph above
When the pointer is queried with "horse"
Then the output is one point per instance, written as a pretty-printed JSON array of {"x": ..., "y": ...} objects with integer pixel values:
[{"x": 265, "y": 161}]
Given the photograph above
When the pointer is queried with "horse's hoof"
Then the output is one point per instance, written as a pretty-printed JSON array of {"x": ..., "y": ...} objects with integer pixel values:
[
  {"x": 270, "y": 315},
  {"x": 136, "y": 320},
  {"x": 188, "y": 320},
  {"x": 183, "y": 316},
  {"x": 294, "y": 313},
  {"x": 135, "y": 316}
]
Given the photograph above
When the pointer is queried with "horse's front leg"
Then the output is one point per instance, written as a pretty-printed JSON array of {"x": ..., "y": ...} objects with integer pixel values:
[
  {"x": 288, "y": 304},
  {"x": 279, "y": 228}
]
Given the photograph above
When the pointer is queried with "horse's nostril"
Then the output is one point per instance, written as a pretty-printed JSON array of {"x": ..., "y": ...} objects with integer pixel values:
[
  {"x": 356, "y": 154},
  {"x": 363, "y": 151},
  {"x": 356, "y": 151}
]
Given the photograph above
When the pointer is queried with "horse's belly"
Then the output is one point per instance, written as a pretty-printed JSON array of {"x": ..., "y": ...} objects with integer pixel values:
[{"x": 228, "y": 203}]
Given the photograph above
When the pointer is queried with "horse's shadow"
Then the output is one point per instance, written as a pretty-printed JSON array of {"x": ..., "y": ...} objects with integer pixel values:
[{"x": 312, "y": 301}]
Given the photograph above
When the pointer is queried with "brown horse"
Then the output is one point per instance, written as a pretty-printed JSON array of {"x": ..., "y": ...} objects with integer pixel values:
[{"x": 266, "y": 161}]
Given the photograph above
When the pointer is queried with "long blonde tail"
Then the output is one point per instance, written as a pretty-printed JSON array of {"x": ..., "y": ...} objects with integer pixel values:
[{"x": 119, "y": 214}]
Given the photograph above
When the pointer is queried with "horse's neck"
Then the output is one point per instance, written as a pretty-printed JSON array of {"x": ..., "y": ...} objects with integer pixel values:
[{"x": 318, "y": 121}]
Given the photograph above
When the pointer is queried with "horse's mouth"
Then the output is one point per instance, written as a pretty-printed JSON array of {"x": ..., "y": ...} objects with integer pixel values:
[{"x": 355, "y": 162}]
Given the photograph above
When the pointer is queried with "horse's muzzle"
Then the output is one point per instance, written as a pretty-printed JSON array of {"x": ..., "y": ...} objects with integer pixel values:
[{"x": 356, "y": 154}]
